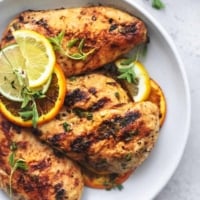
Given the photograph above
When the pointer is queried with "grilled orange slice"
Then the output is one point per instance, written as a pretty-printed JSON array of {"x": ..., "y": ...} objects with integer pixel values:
[
  {"x": 157, "y": 96},
  {"x": 47, "y": 107},
  {"x": 104, "y": 181}
]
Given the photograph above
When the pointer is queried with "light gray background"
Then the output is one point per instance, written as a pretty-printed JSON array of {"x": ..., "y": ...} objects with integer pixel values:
[{"x": 181, "y": 19}]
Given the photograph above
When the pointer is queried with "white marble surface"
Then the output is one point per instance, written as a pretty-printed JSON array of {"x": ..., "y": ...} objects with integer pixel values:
[{"x": 181, "y": 19}]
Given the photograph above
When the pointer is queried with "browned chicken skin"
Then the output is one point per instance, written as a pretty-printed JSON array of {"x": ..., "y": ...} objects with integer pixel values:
[
  {"x": 100, "y": 128},
  {"x": 48, "y": 177},
  {"x": 108, "y": 31}
]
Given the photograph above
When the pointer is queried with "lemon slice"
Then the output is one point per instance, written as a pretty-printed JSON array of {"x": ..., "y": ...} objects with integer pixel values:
[
  {"x": 11, "y": 59},
  {"x": 140, "y": 88},
  {"x": 12, "y": 64},
  {"x": 38, "y": 54}
]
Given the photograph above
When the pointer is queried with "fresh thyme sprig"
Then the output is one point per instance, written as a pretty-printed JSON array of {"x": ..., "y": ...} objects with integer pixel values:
[
  {"x": 79, "y": 55},
  {"x": 15, "y": 164},
  {"x": 29, "y": 108},
  {"x": 127, "y": 71},
  {"x": 158, "y": 4}
]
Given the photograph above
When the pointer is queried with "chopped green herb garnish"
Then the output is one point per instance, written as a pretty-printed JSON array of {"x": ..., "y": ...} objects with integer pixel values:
[
  {"x": 83, "y": 114},
  {"x": 15, "y": 164},
  {"x": 128, "y": 157},
  {"x": 75, "y": 42},
  {"x": 127, "y": 73},
  {"x": 117, "y": 95},
  {"x": 29, "y": 109},
  {"x": 158, "y": 4},
  {"x": 66, "y": 127},
  {"x": 120, "y": 187},
  {"x": 126, "y": 66}
]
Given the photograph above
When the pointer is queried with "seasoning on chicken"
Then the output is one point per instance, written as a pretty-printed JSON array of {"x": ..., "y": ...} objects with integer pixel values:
[
  {"x": 101, "y": 34},
  {"x": 100, "y": 128},
  {"x": 47, "y": 177}
]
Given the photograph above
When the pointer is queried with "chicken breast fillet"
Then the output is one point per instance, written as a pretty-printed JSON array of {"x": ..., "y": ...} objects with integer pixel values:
[
  {"x": 107, "y": 32},
  {"x": 48, "y": 177},
  {"x": 101, "y": 128}
]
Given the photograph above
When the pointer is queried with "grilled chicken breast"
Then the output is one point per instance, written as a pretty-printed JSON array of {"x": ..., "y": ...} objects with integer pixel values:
[
  {"x": 47, "y": 177},
  {"x": 107, "y": 32},
  {"x": 101, "y": 128}
]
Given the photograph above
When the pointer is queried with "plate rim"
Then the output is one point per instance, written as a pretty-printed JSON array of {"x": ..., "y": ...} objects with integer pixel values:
[{"x": 174, "y": 49}]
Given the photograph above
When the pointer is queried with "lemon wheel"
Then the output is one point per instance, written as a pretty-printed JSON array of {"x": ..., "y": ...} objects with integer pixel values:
[
  {"x": 139, "y": 88},
  {"x": 38, "y": 55}
]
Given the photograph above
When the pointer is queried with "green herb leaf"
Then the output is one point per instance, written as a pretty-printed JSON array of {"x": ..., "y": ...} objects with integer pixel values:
[
  {"x": 79, "y": 55},
  {"x": 120, "y": 187},
  {"x": 35, "y": 115},
  {"x": 158, "y": 4},
  {"x": 15, "y": 164},
  {"x": 76, "y": 56},
  {"x": 72, "y": 42},
  {"x": 66, "y": 127},
  {"x": 12, "y": 159},
  {"x": 26, "y": 115},
  {"x": 57, "y": 41},
  {"x": 29, "y": 107},
  {"x": 21, "y": 164},
  {"x": 127, "y": 73},
  {"x": 126, "y": 66}
]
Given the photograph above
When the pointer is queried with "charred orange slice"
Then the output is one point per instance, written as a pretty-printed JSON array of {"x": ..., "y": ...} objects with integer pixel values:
[
  {"x": 48, "y": 106},
  {"x": 157, "y": 96},
  {"x": 104, "y": 181}
]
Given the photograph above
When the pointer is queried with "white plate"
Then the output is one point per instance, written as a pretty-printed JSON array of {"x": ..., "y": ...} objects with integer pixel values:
[{"x": 165, "y": 67}]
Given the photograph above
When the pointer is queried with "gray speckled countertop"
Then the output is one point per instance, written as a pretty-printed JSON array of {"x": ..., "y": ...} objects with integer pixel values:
[{"x": 181, "y": 19}]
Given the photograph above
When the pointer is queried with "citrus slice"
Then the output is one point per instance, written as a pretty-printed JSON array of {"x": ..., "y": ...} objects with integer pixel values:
[
  {"x": 104, "y": 181},
  {"x": 48, "y": 107},
  {"x": 38, "y": 54},
  {"x": 157, "y": 96},
  {"x": 11, "y": 60},
  {"x": 139, "y": 88}
]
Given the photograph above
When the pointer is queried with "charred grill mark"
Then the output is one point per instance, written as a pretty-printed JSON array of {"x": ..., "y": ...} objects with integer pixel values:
[
  {"x": 107, "y": 129},
  {"x": 36, "y": 132},
  {"x": 129, "y": 118},
  {"x": 113, "y": 27},
  {"x": 81, "y": 144},
  {"x": 74, "y": 97},
  {"x": 92, "y": 90},
  {"x": 126, "y": 29},
  {"x": 9, "y": 37},
  {"x": 16, "y": 128},
  {"x": 60, "y": 192},
  {"x": 99, "y": 104},
  {"x": 5, "y": 126},
  {"x": 110, "y": 20},
  {"x": 21, "y": 18},
  {"x": 43, "y": 164},
  {"x": 128, "y": 135},
  {"x": 34, "y": 184},
  {"x": 42, "y": 22},
  {"x": 111, "y": 127},
  {"x": 22, "y": 145},
  {"x": 55, "y": 140}
]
